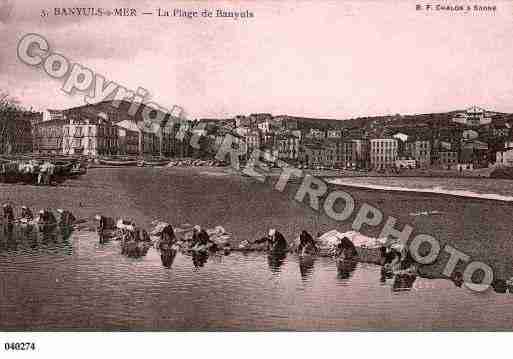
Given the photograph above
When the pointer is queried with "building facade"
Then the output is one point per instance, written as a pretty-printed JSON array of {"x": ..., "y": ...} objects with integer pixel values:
[
  {"x": 316, "y": 155},
  {"x": 48, "y": 136},
  {"x": 90, "y": 135},
  {"x": 473, "y": 116},
  {"x": 287, "y": 146},
  {"x": 128, "y": 141},
  {"x": 383, "y": 153},
  {"x": 420, "y": 151}
]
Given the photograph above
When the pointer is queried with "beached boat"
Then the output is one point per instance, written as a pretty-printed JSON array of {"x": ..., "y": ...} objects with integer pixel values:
[
  {"x": 156, "y": 163},
  {"x": 118, "y": 162}
]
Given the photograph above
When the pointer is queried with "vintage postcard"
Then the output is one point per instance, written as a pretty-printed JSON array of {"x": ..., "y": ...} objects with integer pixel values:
[{"x": 255, "y": 166}]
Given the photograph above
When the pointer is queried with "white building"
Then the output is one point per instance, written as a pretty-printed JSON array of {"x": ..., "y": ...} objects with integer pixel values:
[
  {"x": 87, "y": 134},
  {"x": 148, "y": 141},
  {"x": 473, "y": 116},
  {"x": 383, "y": 153},
  {"x": 49, "y": 115}
]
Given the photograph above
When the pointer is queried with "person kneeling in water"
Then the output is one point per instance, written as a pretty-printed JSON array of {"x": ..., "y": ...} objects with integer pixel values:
[
  {"x": 345, "y": 249},
  {"x": 275, "y": 241},
  {"x": 167, "y": 237},
  {"x": 66, "y": 217},
  {"x": 306, "y": 243},
  {"x": 8, "y": 213},
  {"x": 105, "y": 227},
  {"x": 200, "y": 238},
  {"x": 26, "y": 214},
  {"x": 46, "y": 217}
]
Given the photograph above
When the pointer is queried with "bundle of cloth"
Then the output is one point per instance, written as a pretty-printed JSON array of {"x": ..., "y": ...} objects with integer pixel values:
[{"x": 186, "y": 234}]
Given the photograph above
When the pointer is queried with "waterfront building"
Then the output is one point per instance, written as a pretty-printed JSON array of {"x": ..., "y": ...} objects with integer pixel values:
[
  {"x": 316, "y": 154},
  {"x": 48, "y": 136},
  {"x": 348, "y": 154},
  {"x": 474, "y": 153},
  {"x": 250, "y": 136},
  {"x": 420, "y": 151},
  {"x": 445, "y": 159},
  {"x": 128, "y": 141},
  {"x": 361, "y": 152},
  {"x": 171, "y": 143},
  {"x": 89, "y": 134},
  {"x": 383, "y": 153},
  {"x": 287, "y": 146},
  {"x": 148, "y": 142}
]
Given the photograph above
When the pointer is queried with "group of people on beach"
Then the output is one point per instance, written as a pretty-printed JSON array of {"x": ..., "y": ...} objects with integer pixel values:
[{"x": 27, "y": 171}]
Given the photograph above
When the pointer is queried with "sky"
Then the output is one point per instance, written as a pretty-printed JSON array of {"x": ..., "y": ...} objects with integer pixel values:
[{"x": 329, "y": 59}]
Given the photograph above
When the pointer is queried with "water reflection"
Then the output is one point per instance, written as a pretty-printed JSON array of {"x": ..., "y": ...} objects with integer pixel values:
[
  {"x": 306, "y": 265},
  {"x": 167, "y": 257},
  {"x": 28, "y": 238},
  {"x": 403, "y": 282},
  {"x": 275, "y": 261},
  {"x": 345, "y": 269},
  {"x": 199, "y": 258}
]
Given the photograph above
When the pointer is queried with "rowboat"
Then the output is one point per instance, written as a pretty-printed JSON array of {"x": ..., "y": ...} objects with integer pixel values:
[
  {"x": 153, "y": 163},
  {"x": 118, "y": 162}
]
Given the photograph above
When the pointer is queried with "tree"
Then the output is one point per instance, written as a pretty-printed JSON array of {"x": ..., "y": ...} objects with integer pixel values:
[{"x": 9, "y": 111}]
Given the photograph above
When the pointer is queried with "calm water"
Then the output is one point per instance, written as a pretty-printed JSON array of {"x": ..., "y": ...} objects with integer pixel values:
[{"x": 72, "y": 282}]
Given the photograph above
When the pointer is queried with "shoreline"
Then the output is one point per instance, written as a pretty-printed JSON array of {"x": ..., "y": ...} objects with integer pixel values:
[{"x": 463, "y": 194}]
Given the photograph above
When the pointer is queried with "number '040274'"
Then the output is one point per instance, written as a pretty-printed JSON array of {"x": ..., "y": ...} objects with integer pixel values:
[{"x": 20, "y": 346}]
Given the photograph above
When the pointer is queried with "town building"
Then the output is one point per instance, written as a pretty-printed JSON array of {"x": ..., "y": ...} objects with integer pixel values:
[
  {"x": 50, "y": 115},
  {"x": 148, "y": 142},
  {"x": 48, "y": 136},
  {"x": 361, "y": 156},
  {"x": 316, "y": 134},
  {"x": 251, "y": 137},
  {"x": 317, "y": 154},
  {"x": 128, "y": 141},
  {"x": 474, "y": 154},
  {"x": 336, "y": 134},
  {"x": 264, "y": 122},
  {"x": 420, "y": 151},
  {"x": 348, "y": 153},
  {"x": 287, "y": 146},
  {"x": 473, "y": 116},
  {"x": 89, "y": 134},
  {"x": 383, "y": 153}
]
